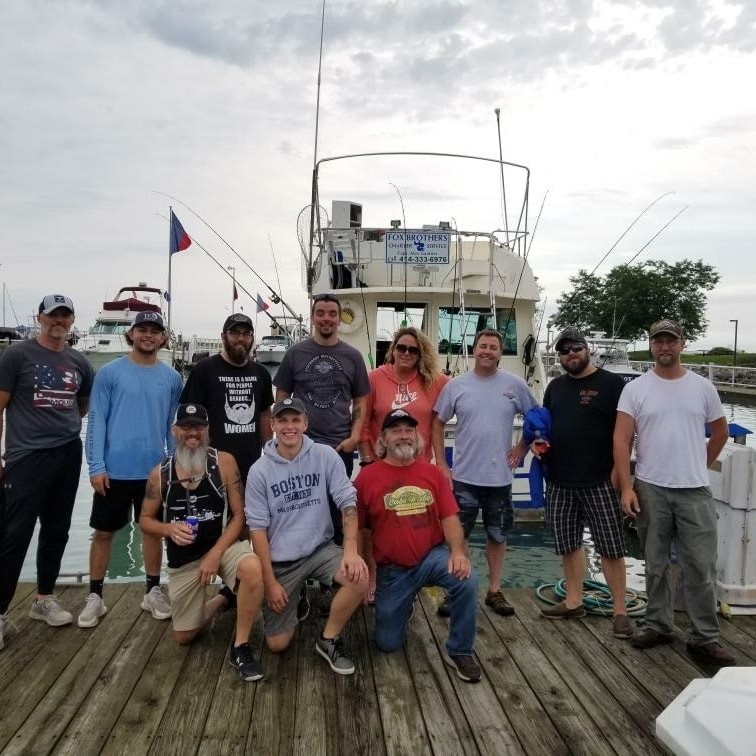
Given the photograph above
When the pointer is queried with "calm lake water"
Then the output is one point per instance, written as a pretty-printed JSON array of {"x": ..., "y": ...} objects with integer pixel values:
[{"x": 530, "y": 552}]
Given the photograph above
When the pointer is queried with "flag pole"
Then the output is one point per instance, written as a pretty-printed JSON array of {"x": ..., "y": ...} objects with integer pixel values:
[{"x": 170, "y": 259}]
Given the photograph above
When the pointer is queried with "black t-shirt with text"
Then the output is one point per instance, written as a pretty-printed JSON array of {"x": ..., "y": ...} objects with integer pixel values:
[
  {"x": 583, "y": 411},
  {"x": 234, "y": 398}
]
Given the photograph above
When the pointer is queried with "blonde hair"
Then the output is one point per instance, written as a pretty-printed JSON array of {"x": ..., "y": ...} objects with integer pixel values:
[{"x": 427, "y": 364}]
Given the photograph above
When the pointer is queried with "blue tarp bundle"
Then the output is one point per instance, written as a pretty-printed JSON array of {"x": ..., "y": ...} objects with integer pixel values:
[{"x": 537, "y": 420}]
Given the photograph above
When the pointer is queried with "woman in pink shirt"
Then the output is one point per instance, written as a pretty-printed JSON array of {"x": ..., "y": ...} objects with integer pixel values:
[{"x": 410, "y": 380}]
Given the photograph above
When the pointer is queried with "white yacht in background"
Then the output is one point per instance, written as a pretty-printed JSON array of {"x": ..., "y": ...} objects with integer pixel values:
[{"x": 106, "y": 339}]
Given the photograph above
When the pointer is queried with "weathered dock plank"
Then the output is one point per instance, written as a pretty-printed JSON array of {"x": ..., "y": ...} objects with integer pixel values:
[{"x": 126, "y": 687}]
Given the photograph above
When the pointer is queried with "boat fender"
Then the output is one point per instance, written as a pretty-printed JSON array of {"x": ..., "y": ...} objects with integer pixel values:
[
  {"x": 528, "y": 349},
  {"x": 352, "y": 316}
]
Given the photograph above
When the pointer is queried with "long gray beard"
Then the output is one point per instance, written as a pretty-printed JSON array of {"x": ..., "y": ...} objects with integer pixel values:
[
  {"x": 404, "y": 451},
  {"x": 192, "y": 461}
]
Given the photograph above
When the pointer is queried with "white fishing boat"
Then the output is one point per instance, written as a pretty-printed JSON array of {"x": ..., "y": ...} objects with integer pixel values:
[
  {"x": 608, "y": 353},
  {"x": 106, "y": 339},
  {"x": 449, "y": 282}
]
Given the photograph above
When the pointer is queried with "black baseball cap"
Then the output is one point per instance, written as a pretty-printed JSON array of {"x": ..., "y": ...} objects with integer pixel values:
[
  {"x": 191, "y": 414},
  {"x": 570, "y": 334},
  {"x": 398, "y": 416},
  {"x": 238, "y": 319},
  {"x": 150, "y": 318},
  {"x": 290, "y": 403}
]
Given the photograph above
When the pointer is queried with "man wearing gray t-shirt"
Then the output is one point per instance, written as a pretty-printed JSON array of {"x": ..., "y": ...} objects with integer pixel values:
[
  {"x": 331, "y": 380},
  {"x": 485, "y": 402},
  {"x": 44, "y": 392}
]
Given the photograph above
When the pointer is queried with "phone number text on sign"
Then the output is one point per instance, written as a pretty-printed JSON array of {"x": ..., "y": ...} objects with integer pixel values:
[{"x": 417, "y": 247}]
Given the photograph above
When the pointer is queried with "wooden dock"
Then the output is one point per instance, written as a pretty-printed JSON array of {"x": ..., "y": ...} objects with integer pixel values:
[{"x": 125, "y": 687}]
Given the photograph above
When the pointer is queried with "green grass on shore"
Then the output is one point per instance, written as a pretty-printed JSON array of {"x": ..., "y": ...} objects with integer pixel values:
[{"x": 745, "y": 359}]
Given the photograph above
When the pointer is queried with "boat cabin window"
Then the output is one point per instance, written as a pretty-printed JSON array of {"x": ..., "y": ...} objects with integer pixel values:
[
  {"x": 456, "y": 328},
  {"x": 103, "y": 328}
]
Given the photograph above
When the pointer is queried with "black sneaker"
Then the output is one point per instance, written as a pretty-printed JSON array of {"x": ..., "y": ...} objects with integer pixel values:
[
  {"x": 444, "y": 608},
  {"x": 230, "y": 597},
  {"x": 464, "y": 666},
  {"x": 242, "y": 659},
  {"x": 324, "y": 601},
  {"x": 303, "y": 607}
]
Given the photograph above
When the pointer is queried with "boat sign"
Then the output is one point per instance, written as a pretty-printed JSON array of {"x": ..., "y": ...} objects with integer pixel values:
[{"x": 419, "y": 247}]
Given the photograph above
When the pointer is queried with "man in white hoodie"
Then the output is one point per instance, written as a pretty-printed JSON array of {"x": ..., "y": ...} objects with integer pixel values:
[{"x": 288, "y": 515}]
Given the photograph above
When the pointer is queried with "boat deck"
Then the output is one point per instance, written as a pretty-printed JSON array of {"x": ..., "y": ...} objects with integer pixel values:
[{"x": 126, "y": 687}]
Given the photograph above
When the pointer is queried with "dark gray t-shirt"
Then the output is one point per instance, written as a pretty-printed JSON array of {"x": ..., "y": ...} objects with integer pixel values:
[
  {"x": 326, "y": 379},
  {"x": 44, "y": 385}
]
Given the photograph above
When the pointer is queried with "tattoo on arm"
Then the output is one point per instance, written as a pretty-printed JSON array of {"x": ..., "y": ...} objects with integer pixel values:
[
  {"x": 349, "y": 513},
  {"x": 356, "y": 412},
  {"x": 151, "y": 491}
]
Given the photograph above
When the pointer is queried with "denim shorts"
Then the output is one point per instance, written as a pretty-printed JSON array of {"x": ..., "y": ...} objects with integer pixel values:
[{"x": 496, "y": 503}]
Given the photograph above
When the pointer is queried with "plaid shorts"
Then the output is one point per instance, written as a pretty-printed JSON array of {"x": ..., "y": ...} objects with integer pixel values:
[{"x": 568, "y": 510}]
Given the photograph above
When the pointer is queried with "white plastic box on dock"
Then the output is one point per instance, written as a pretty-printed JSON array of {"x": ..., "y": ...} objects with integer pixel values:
[
  {"x": 733, "y": 485},
  {"x": 713, "y": 716}
]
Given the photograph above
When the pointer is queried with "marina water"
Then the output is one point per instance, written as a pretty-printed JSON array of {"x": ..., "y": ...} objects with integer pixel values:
[{"x": 530, "y": 551}]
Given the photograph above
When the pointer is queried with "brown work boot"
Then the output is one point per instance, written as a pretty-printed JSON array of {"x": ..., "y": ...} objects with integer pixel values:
[
  {"x": 648, "y": 638},
  {"x": 499, "y": 604},
  {"x": 622, "y": 627},
  {"x": 562, "y": 611},
  {"x": 713, "y": 653}
]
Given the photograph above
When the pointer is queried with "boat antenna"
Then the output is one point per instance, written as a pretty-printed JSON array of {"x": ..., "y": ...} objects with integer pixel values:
[
  {"x": 501, "y": 170},
  {"x": 278, "y": 278},
  {"x": 404, "y": 253},
  {"x": 274, "y": 295}
]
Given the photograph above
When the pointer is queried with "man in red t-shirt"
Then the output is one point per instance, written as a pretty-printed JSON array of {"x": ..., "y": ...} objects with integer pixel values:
[{"x": 410, "y": 514}]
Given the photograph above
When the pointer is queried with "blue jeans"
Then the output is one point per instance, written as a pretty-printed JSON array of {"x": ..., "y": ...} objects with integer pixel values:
[
  {"x": 395, "y": 591},
  {"x": 685, "y": 517}
]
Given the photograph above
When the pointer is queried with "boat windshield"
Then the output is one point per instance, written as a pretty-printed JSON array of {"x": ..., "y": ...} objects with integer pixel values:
[
  {"x": 456, "y": 328},
  {"x": 119, "y": 328}
]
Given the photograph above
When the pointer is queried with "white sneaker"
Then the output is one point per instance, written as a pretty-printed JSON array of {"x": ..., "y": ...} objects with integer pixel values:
[
  {"x": 157, "y": 604},
  {"x": 94, "y": 608},
  {"x": 49, "y": 610}
]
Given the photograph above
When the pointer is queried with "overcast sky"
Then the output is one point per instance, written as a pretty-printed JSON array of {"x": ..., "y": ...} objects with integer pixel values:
[{"x": 610, "y": 104}]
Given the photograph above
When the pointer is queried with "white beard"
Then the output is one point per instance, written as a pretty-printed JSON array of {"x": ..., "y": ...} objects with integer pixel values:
[
  {"x": 193, "y": 462},
  {"x": 403, "y": 451}
]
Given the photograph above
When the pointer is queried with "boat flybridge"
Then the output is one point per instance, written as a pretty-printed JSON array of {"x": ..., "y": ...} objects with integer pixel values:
[{"x": 448, "y": 282}]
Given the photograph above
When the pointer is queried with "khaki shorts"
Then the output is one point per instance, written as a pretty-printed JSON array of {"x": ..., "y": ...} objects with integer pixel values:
[{"x": 188, "y": 595}]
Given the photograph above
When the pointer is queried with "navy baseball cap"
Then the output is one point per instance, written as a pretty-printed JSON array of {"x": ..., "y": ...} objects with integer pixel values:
[
  {"x": 398, "y": 416},
  {"x": 150, "y": 318},
  {"x": 191, "y": 414},
  {"x": 290, "y": 403}
]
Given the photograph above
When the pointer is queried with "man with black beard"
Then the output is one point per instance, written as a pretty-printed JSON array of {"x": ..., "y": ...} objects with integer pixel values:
[
  {"x": 185, "y": 503},
  {"x": 580, "y": 463},
  {"x": 407, "y": 509},
  {"x": 237, "y": 393}
]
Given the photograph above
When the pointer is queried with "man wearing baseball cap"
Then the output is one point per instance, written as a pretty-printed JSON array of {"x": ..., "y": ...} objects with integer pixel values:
[
  {"x": 44, "y": 392},
  {"x": 583, "y": 406},
  {"x": 288, "y": 514},
  {"x": 134, "y": 399},
  {"x": 237, "y": 393},
  {"x": 185, "y": 503},
  {"x": 666, "y": 411},
  {"x": 408, "y": 511}
]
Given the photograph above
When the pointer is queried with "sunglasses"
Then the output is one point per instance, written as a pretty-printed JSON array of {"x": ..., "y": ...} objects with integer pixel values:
[
  {"x": 574, "y": 349},
  {"x": 325, "y": 298},
  {"x": 404, "y": 349}
]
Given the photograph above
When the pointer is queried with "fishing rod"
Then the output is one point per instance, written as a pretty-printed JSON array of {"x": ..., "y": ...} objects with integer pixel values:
[
  {"x": 273, "y": 294},
  {"x": 501, "y": 170},
  {"x": 226, "y": 273},
  {"x": 404, "y": 223}
]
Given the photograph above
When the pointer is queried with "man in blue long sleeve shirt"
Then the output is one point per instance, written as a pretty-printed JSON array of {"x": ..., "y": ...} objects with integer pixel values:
[{"x": 134, "y": 399}]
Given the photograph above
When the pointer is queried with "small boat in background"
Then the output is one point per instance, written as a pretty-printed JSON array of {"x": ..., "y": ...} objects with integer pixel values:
[{"x": 106, "y": 339}]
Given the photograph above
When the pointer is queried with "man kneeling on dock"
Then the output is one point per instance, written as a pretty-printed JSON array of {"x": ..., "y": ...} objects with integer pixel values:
[
  {"x": 289, "y": 519},
  {"x": 409, "y": 509},
  {"x": 185, "y": 502}
]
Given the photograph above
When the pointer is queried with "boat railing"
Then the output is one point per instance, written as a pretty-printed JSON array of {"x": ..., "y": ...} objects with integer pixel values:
[{"x": 722, "y": 376}]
